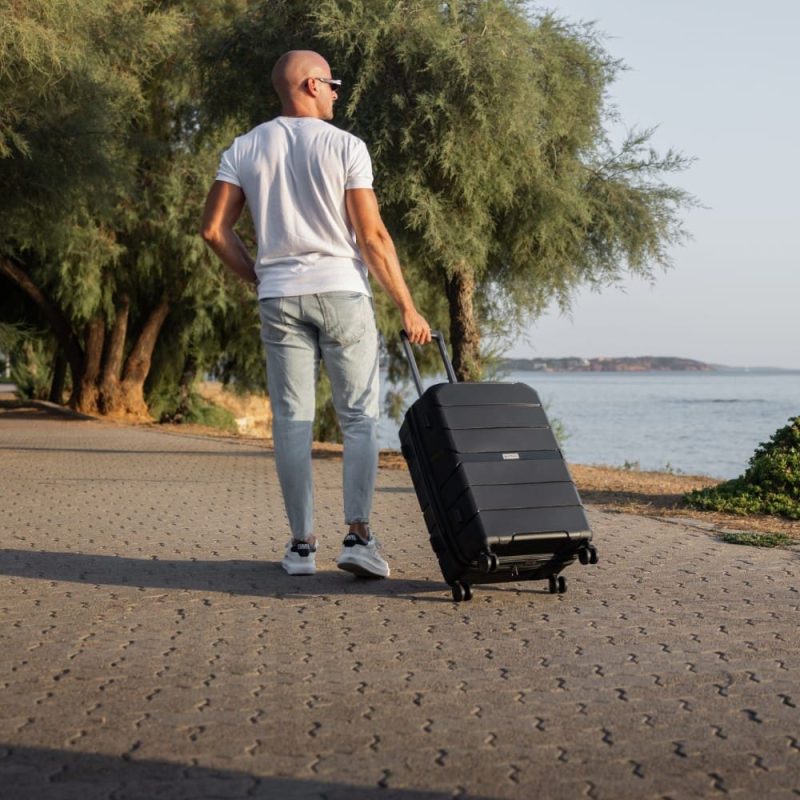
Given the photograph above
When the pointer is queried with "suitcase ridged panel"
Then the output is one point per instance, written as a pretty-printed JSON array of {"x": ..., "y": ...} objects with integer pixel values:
[
  {"x": 501, "y": 440},
  {"x": 477, "y": 394},
  {"x": 511, "y": 522},
  {"x": 563, "y": 523},
  {"x": 507, "y": 416},
  {"x": 537, "y": 495},
  {"x": 498, "y": 473}
]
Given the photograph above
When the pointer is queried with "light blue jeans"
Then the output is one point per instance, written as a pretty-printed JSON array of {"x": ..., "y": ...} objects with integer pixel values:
[{"x": 338, "y": 327}]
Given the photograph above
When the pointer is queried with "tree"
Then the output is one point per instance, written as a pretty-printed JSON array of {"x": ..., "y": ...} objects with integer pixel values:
[
  {"x": 485, "y": 124},
  {"x": 71, "y": 78},
  {"x": 106, "y": 170}
]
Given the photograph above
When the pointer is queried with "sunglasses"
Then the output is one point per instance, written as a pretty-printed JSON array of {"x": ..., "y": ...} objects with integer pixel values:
[{"x": 334, "y": 83}]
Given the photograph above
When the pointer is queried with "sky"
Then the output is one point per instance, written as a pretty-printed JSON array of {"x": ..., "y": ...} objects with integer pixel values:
[{"x": 721, "y": 80}]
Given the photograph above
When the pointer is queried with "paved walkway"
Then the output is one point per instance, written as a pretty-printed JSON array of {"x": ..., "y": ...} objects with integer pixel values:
[{"x": 151, "y": 647}]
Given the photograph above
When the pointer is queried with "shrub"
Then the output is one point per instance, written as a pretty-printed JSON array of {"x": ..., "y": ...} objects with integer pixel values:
[
  {"x": 193, "y": 409},
  {"x": 770, "y": 485},
  {"x": 31, "y": 370},
  {"x": 201, "y": 412},
  {"x": 755, "y": 539}
]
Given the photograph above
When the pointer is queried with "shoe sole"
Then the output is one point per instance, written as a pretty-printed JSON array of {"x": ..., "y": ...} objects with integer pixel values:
[
  {"x": 358, "y": 568},
  {"x": 299, "y": 570}
]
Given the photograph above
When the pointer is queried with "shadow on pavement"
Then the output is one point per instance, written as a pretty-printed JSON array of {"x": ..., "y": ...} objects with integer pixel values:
[
  {"x": 49, "y": 774},
  {"x": 254, "y": 578},
  {"x": 9, "y": 413}
]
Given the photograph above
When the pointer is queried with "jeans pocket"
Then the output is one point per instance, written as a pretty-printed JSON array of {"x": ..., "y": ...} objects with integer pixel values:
[
  {"x": 346, "y": 316},
  {"x": 273, "y": 322}
]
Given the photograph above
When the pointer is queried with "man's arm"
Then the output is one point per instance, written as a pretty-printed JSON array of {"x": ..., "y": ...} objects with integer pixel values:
[
  {"x": 224, "y": 206},
  {"x": 377, "y": 248}
]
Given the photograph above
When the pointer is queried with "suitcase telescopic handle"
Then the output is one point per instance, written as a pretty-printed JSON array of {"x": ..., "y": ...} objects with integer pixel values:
[{"x": 412, "y": 362}]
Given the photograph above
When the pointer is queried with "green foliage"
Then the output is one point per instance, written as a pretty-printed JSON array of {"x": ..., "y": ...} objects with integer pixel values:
[
  {"x": 229, "y": 344},
  {"x": 770, "y": 485},
  {"x": 31, "y": 369},
  {"x": 11, "y": 334},
  {"x": 201, "y": 412},
  {"x": 168, "y": 405},
  {"x": 485, "y": 125},
  {"x": 326, "y": 423},
  {"x": 105, "y": 168},
  {"x": 559, "y": 430},
  {"x": 71, "y": 76},
  {"x": 754, "y": 539},
  {"x": 30, "y": 355},
  {"x": 670, "y": 470},
  {"x": 486, "y": 128}
]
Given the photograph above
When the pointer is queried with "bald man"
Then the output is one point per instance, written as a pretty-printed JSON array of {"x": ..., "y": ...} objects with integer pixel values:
[{"x": 308, "y": 186}]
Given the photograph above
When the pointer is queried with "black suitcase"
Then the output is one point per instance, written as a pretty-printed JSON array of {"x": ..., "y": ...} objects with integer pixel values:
[{"x": 493, "y": 486}]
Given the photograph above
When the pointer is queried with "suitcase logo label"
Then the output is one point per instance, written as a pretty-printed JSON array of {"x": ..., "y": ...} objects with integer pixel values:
[{"x": 510, "y": 456}]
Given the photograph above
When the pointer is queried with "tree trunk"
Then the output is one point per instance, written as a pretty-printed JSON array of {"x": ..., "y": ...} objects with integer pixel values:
[
  {"x": 67, "y": 340},
  {"x": 110, "y": 388},
  {"x": 464, "y": 335},
  {"x": 89, "y": 389},
  {"x": 137, "y": 365},
  {"x": 185, "y": 388},
  {"x": 59, "y": 377}
]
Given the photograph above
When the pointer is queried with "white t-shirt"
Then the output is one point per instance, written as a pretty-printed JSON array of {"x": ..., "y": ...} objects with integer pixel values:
[{"x": 294, "y": 172}]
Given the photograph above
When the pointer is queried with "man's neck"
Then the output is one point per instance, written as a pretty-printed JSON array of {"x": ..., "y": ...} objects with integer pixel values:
[{"x": 293, "y": 111}]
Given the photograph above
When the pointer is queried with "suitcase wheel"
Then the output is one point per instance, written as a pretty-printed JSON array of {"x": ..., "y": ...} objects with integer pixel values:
[
  {"x": 592, "y": 554},
  {"x": 588, "y": 554},
  {"x": 488, "y": 562},
  {"x": 557, "y": 584},
  {"x": 461, "y": 591}
]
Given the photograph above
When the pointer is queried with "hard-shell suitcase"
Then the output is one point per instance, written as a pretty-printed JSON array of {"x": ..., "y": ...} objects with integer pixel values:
[{"x": 494, "y": 489}]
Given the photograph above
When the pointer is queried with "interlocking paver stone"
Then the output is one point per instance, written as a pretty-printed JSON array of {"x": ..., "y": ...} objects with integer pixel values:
[{"x": 152, "y": 647}]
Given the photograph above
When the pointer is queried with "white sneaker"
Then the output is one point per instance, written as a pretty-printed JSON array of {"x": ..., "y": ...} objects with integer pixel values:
[
  {"x": 300, "y": 558},
  {"x": 362, "y": 558}
]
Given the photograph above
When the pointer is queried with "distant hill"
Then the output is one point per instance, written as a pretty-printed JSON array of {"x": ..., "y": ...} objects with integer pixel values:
[{"x": 628, "y": 364}]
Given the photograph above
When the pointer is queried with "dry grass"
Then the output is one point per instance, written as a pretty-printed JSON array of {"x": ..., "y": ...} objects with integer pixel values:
[
  {"x": 252, "y": 412},
  {"x": 652, "y": 494},
  {"x": 659, "y": 494}
]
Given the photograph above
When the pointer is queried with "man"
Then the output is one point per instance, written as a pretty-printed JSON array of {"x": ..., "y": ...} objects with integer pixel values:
[{"x": 308, "y": 186}]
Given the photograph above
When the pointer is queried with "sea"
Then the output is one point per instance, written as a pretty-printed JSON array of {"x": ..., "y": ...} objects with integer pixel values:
[{"x": 693, "y": 423}]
